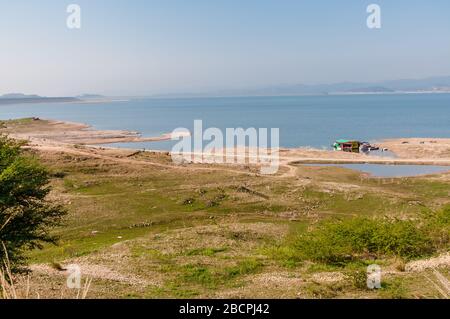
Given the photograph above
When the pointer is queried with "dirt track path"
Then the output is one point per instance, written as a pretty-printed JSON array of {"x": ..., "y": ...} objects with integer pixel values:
[
  {"x": 131, "y": 161},
  {"x": 287, "y": 164}
]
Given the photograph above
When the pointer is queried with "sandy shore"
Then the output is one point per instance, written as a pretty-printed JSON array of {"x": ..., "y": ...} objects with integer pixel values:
[
  {"x": 58, "y": 135},
  {"x": 39, "y": 132},
  {"x": 419, "y": 148}
]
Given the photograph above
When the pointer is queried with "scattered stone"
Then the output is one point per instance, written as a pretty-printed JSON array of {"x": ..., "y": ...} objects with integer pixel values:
[{"x": 328, "y": 277}]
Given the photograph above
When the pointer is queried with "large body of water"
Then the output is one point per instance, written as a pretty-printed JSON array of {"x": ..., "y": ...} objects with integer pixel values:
[{"x": 303, "y": 121}]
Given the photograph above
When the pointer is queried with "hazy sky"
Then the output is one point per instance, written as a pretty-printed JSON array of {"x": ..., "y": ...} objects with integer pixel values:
[{"x": 144, "y": 47}]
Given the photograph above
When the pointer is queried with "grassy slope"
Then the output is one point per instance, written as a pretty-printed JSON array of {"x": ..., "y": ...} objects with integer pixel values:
[{"x": 181, "y": 233}]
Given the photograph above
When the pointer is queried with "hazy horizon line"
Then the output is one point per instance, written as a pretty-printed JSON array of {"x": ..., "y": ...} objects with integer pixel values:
[{"x": 230, "y": 90}]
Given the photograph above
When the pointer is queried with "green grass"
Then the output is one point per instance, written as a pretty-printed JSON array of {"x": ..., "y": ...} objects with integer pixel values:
[
  {"x": 115, "y": 200},
  {"x": 394, "y": 289},
  {"x": 16, "y": 121},
  {"x": 205, "y": 251},
  {"x": 83, "y": 245},
  {"x": 340, "y": 242},
  {"x": 212, "y": 277},
  {"x": 244, "y": 267}
]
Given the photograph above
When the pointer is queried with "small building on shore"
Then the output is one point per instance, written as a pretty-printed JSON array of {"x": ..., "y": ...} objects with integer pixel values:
[{"x": 347, "y": 146}]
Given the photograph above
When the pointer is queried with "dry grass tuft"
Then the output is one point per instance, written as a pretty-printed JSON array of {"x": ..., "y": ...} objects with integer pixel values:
[{"x": 8, "y": 285}]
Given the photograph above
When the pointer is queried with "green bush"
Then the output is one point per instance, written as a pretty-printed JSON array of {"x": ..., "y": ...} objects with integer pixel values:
[
  {"x": 437, "y": 227},
  {"x": 358, "y": 278},
  {"x": 359, "y": 238},
  {"x": 340, "y": 242},
  {"x": 25, "y": 214}
]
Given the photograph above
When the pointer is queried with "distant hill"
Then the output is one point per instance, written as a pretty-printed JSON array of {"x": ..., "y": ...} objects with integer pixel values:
[
  {"x": 426, "y": 84},
  {"x": 373, "y": 89},
  {"x": 19, "y": 98},
  {"x": 431, "y": 84},
  {"x": 90, "y": 96}
]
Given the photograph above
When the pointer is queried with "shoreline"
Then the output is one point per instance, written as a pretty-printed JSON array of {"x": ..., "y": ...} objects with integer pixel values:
[
  {"x": 59, "y": 135},
  {"x": 64, "y": 132}
]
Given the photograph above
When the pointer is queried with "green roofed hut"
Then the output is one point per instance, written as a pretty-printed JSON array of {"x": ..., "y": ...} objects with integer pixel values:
[{"x": 347, "y": 146}]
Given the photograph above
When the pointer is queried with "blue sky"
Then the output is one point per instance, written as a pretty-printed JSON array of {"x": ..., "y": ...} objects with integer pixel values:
[{"x": 144, "y": 47}]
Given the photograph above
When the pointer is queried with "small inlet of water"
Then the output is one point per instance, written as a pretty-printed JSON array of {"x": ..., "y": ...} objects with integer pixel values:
[{"x": 380, "y": 170}]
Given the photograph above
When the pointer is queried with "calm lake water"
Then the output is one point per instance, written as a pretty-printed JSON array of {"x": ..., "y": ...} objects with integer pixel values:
[{"x": 303, "y": 121}]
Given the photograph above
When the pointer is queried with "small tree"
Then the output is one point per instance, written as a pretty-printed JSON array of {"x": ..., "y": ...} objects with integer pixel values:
[{"x": 25, "y": 215}]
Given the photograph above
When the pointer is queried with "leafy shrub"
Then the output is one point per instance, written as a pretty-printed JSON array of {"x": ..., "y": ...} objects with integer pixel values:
[
  {"x": 358, "y": 278},
  {"x": 25, "y": 214},
  {"x": 437, "y": 227},
  {"x": 346, "y": 240},
  {"x": 340, "y": 242}
]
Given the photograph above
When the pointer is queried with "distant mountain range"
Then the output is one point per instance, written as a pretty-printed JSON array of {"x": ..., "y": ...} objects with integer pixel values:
[
  {"x": 427, "y": 85},
  {"x": 372, "y": 89},
  {"x": 20, "y": 98},
  {"x": 90, "y": 96}
]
